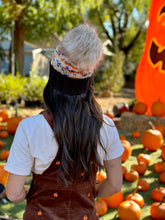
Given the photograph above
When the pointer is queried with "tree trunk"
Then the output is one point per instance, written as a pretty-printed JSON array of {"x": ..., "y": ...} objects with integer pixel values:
[{"x": 19, "y": 47}]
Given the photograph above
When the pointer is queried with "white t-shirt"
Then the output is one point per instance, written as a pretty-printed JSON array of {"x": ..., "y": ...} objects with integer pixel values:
[{"x": 34, "y": 146}]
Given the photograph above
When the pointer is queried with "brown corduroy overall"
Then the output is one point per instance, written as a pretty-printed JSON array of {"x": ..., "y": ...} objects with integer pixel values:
[{"x": 49, "y": 200}]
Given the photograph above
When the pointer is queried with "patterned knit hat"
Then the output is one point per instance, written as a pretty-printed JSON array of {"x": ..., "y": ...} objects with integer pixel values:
[{"x": 83, "y": 46}]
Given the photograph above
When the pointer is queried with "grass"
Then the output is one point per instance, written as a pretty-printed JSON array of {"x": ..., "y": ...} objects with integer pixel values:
[{"x": 16, "y": 210}]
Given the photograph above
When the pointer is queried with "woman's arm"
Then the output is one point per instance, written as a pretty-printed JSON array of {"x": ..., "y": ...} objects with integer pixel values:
[
  {"x": 113, "y": 183},
  {"x": 15, "y": 189}
]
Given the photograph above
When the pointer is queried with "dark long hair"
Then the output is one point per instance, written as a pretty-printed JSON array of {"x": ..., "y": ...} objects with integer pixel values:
[{"x": 77, "y": 120}]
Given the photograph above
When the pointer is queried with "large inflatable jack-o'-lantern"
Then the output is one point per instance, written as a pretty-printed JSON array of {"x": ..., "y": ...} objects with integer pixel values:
[{"x": 150, "y": 75}]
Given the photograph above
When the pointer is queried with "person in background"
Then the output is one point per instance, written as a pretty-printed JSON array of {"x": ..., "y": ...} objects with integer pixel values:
[{"x": 66, "y": 144}]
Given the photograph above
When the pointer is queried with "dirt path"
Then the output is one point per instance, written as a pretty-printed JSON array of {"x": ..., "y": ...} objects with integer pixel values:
[{"x": 125, "y": 96}]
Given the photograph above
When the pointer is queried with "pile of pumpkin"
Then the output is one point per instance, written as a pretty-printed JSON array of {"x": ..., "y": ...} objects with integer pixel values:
[
  {"x": 8, "y": 125},
  {"x": 157, "y": 108},
  {"x": 130, "y": 206}
]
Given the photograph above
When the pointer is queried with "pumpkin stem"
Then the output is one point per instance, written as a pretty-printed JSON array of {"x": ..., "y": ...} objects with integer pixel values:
[
  {"x": 145, "y": 150},
  {"x": 151, "y": 124},
  {"x": 97, "y": 200},
  {"x": 135, "y": 190},
  {"x": 158, "y": 185},
  {"x": 162, "y": 200}
]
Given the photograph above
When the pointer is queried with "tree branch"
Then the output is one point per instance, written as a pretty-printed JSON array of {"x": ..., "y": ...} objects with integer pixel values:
[
  {"x": 131, "y": 44},
  {"x": 105, "y": 30},
  {"x": 25, "y": 9}
]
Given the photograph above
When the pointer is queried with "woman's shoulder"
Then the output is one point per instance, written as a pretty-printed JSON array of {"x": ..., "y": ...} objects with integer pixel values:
[
  {"x": 107, "y": 121},
  {"x": 31, "y": 121}
]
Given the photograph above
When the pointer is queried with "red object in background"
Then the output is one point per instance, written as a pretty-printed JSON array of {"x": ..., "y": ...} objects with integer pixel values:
[{"x": 120, "y": 108}]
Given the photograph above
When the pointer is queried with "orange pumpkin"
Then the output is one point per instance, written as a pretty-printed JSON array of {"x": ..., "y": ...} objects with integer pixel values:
[
  {"x": 5, "y": 115},
  {"x": 162, "y": 177},
  {"x": 144, "y": 185},
  {"x": 3, "y": 175},
  {"x": 160, "y": 128},
  {"x": 163, "y": 152},
  {"x": 140, "y": 108},
  {"x": 140, "y": 167},
  {"x": 157, "y": 210},
  {"x": 109, "y": 115},
  {"x": 4, "y": 154},
  {"x": 158, "y": 193},
  {"x": 101, "y": 206},
  {"x": 122, "y": 138},
  {"x": 131, "y": 176},
  {"x": 135, "y": 134},
  {"x": 160, "y": 167},
  {"x": 145, "y": 158},
  {"x": 136, "y": 197},
  {"x": 150, "y": 74},
  {"x": 12, "y": 124},
  {"x": 1, "y": 144},
  {"x": 127, "y": 150},
  {"x": 100, "y": 176},
  {"x": 124, "y": 169},
  {"x": 129, "y": 210},
  {"x": 152, "y": 139},
  {"x": 158, "y": 108},
  {"x": 4, "y": 134},
  {"x": 114, "y": 200}
]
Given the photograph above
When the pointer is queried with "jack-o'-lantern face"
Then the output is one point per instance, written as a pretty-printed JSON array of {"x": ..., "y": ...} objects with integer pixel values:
[
  {"x": 157, "y": 51},
  {"x": 150, "y": 75}
]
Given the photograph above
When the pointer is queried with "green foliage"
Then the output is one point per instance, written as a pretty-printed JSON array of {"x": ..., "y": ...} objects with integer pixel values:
[
  {"x": 11, "y": 87},
  {"x": 123, "y": 22},
  {"x": 16, "y": 87},
  {"x": 113, "y": 77},
  {"x": 34, "y": 86}
]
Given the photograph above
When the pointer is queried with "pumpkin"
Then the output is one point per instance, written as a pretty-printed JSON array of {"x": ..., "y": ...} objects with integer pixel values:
[
  {"x": 4, "y": 154},
  {"x": 114, "y": 200},
  {"x": 100, "y": 176},
  {"x": 163, "y": 152},
  {"x": 131, "y": 176},
  {"x": 129, "y": 210},
  {"x": 3, "y": 127},
  {"x": 4, "y": 134},
  {"x": 152, "y": 139},
  {"x": 3, "y": 175},
  {"x": 136, "y": 197},
  {"x": 135, "y": 134},
  {"x": 150, "y": 74},
  {"x": 160, "y": 167},
  {"x": 139, "y": 108},
  {"x": 157, "y": 210},
  {"x": 124, "y": 169},
  {"x": 101, "y": 206},
  {"x": 109, "y": 115},
  {"x": 144, "y": 185},
  {"x": 13, "y": 123},
  {"x": 122, "y": 138},
  {"x": 1, "y": 119},
  {"x": 162, "y": 177},
  {"x": 1, "y": 144},
  {"x": 160, "y": 128},
  {"x": 158, "y": 108},
  {"x": 140, "y": 167},
  {"x": 127, "y": 150},
  {"x": 5, "y": 115},
  {"x": 145, "y": 158},
  {"x": 158, "y": 193}
]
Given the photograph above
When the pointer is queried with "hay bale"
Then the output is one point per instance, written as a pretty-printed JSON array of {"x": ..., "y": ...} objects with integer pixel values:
[{"x": 133, "y": 122}]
